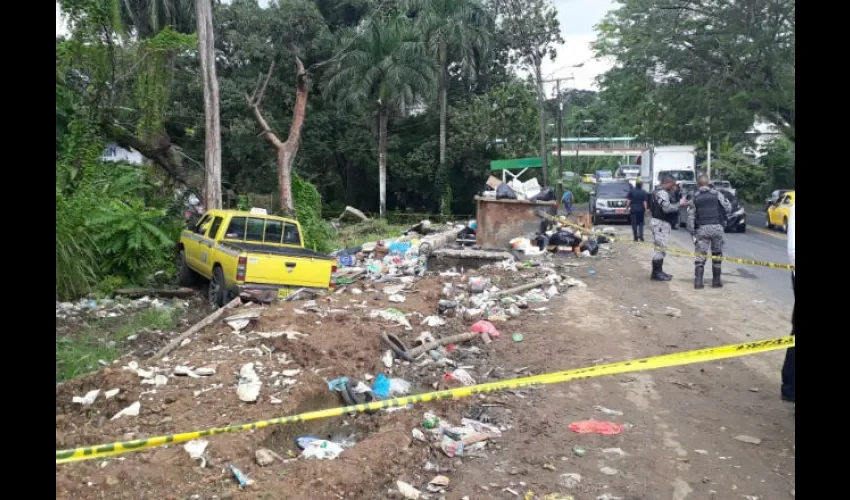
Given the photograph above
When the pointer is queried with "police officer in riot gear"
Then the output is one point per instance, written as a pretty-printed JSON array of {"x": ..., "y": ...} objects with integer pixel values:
[
  {"x": 707, "y": 212},
  {"x": 664, "y": 215}
]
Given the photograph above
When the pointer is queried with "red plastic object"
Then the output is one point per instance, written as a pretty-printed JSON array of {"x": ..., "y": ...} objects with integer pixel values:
[
  {"x": 596, "y": 427},
  {"x": 451, "y": 347},
  {"x": 484, "y": 326}
]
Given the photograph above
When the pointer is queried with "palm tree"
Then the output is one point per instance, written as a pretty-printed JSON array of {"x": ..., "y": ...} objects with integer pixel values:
[
  {"x": 385, "y": 69},
  {"x": 459, "y": 27},
  {"x": 148, "y": 17}
]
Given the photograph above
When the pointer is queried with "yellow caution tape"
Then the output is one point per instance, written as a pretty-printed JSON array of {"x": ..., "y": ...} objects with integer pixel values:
[
  {"x": 664, "y": 361},
  {"x": 772, "y": 265}
]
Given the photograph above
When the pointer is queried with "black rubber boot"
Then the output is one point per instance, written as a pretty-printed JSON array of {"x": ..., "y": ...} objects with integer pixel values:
[
  {"x": 699, "y": 270},
  {"x": 658, "y": 272},
  {"x": 715, "y": 272}
]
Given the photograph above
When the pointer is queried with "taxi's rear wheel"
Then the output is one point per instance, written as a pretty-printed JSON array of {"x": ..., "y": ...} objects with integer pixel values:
[
  {"x": 767, "y": 223},
  {"x": 785, "y": 224},
  {"x": 217, "y": 291},
  {"x": 185, "y": 276}
]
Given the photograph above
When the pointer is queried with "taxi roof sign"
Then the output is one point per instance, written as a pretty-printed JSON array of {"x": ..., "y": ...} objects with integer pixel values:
[{"x": 259, "y": 211}]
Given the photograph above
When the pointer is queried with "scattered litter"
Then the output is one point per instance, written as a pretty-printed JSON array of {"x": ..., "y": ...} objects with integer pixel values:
[
  {"x": 290, "y": 373},
  {"x": 462, "y": 376},
  {"x": 433, "y": 321},
  {"x": 396, "y": 298},
  {"x": 399, "y": 387},
  {"x": 238, "y": 322},
  {"x": 614, "y": 451},
  {"x": 701, "y": 452},
  {"x": 438, "y": 484},
  {"x": 430, "y": 421},
  {"x": 381, "y": 386},
  {"x": 130, "y": 411},
  {"x": 393, "y": 315},
  {"x": 322, "y": 449},
  {"x": 196, "y": 448},
  {"x": 570, "y": 479},
  {"x": 110, "y": 393},
  {"x": 240, "y": 476},
  {"x": 608, "y": 411},
  {"x": 517, "y": 337},
  {"x": 419, "y": 435},
  {"x": 571, "y": 282},
  {"x": 289, "y": 335},
  {"x": 579, "y": 451},
  {"x": 388, "y": 358},
  {"x": 596, "y": 427},
  {"x": 609, "y": 471},
  {"x": 608, "y": 496},
  {"x": 672, "y": 312},
  {"x": 266, "y": 457},
  {"x": 408, "y": 491},
  {"x": 88, "y": 399},
  {"x": 338, "y": 384},
  {"x": 484, "y": 326},
  {"x": 157, "y": 380},
  {"x": 249, "y": 385},
  {"x": 748, "y": 439},
  {"x": 478, "y": 284}
]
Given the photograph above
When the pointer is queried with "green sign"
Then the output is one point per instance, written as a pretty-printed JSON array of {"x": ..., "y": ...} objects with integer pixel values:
[{"x": 518, "y": 163}]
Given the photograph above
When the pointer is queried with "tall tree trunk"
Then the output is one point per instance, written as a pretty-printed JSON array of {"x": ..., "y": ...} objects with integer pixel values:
[
  {"x": 286, "y": 151},
  {"x": 212, "y": 124},
  {"x": 382, "y": 161},
  {"x": 538, "y": 76},
  {"x": 444, "y": 84}
]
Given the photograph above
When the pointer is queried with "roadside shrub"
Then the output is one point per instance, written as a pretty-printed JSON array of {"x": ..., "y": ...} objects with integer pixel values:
[{"x": 318, "y": 234}]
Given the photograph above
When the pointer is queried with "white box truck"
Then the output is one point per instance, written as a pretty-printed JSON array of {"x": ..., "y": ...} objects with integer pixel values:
[{"x": 678, "y": 161}]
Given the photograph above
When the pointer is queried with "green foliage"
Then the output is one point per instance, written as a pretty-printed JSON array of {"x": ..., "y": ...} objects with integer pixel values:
[
  {"x": 131, "y": 237},
  {"x": 308, "y": 210},
  {"x": 683, "y": 70}
]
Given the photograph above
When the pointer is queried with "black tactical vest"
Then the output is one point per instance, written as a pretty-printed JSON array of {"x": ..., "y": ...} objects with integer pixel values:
[
  {"x": 708, "y": 209},
  {"x": 657, "y": 212}
]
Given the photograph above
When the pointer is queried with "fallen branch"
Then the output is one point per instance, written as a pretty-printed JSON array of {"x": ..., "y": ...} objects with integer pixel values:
[
  {"x": 521, "y": 288},
  {"x": 195, "y": 328},
  {"x": 453, "y": 339},
  {"x": 160, "y": 292},
  {"x": 355, "y": 212}
]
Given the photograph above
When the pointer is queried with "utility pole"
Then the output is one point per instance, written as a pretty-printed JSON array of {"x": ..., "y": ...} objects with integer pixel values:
[{"x": 560, "y": 121}]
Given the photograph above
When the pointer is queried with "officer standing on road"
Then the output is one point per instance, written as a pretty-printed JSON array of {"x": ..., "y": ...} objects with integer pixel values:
[
  {"x": 707, "y": 213},
  {"x": 664, "y": 213}
]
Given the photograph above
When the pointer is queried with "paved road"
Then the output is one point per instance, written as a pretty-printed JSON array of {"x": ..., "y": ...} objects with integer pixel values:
[{"x": 758, "y": 243}]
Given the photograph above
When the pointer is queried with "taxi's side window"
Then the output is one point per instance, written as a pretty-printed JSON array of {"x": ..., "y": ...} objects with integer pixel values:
[{"x": 202, "y": 224}]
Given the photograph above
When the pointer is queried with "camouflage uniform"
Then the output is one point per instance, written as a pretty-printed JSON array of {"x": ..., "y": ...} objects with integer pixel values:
[
  {"x": 707, "y": 236},
  {"x": 663, "y": 212}
]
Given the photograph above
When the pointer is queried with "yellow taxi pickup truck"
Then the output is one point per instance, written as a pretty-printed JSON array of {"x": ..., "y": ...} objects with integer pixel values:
[{"x": 252, "y": 255}]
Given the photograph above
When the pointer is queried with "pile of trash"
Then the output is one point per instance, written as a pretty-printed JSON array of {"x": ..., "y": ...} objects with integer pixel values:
[
  {"x": 390, "y": 259},
  {"x": 113, "y": 308},
  {"x": 558, "y": 236}
]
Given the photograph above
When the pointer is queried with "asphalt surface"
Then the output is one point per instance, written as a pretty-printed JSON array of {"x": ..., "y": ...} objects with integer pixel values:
[{"x": 758, "y": 243}]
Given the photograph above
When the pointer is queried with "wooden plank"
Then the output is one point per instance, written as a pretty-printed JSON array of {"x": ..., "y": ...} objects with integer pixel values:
[{"x": 200, "y": 325}]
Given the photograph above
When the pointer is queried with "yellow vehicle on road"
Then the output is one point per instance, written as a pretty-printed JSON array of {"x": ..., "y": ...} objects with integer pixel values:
[
  {"x": 588, "y": 179},
  {"x": 252, "y": 255},
  {"x": 777, "y": 213}
]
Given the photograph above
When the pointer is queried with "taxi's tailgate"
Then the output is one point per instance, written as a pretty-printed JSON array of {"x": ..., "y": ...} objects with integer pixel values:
[{"x": 275, "y": 265}]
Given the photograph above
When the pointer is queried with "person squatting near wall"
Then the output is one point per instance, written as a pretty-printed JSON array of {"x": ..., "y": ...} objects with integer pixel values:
[{"x": 707, "y": 212}]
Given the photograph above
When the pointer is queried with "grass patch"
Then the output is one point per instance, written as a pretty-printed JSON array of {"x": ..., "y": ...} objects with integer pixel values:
[
  {"x": 80, "y": 354},
  {"x": 364, "y": 232}
]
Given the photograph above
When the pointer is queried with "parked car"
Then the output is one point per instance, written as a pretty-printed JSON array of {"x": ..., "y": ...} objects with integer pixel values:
[
  {"x": 736, "y": 221},
  {"x": 588, "y": 179},
  {"x": 250, "y": 254},
  {"x": 774, "y": 197},
  {"x": 725, "y": 185},
  {"x": 608, "y": 201},
  {"x": 777, "y": 214}
]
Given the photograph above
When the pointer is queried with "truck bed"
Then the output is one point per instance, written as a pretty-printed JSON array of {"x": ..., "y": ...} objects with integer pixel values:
[{"x": 276, "y": 250}]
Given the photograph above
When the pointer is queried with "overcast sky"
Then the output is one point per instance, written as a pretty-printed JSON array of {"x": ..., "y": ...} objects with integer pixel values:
[{"x": 577, "y": 18}]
